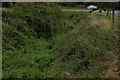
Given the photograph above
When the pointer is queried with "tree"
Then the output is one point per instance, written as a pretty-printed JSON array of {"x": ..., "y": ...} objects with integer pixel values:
[{"x": 7, "y": 4}]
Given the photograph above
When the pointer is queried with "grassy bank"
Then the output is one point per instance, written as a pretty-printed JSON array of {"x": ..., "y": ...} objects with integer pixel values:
[
  {"x": 81, "y": 45},
  {"x": 87, "y": 50}
]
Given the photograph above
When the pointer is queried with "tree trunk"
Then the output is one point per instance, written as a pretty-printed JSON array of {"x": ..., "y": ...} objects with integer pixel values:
[
  {"x": 107, "y": 13},
  {"x": 113, "y": 16}
]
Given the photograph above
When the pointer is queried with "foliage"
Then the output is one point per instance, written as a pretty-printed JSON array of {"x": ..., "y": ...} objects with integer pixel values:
[
  {"x": 40, "y": 17},
  {"x": 68, "y": 4},
  {"x": 26, "y": 27},
  {"x": 40, "y": 41}
]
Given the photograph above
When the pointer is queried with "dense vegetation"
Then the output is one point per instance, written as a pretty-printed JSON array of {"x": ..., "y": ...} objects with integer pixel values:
[
  {"x": 41, "y": 41},
  {"x": 27, "y": 29}
]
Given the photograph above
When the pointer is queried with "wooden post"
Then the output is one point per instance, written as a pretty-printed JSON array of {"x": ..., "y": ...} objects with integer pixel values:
[
  {"x": 113, "y": 16},
  {"x": 110, "y": 14}
]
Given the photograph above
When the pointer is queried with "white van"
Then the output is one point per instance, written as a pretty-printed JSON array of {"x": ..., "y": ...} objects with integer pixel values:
[{"x": 91, "y": 7}]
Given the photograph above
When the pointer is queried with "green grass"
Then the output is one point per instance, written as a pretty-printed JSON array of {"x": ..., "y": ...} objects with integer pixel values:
[
  {"x": 32, "y": 57},
  {"x": 77, "y": 51}
]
